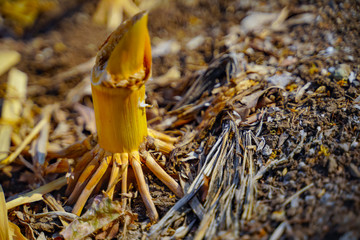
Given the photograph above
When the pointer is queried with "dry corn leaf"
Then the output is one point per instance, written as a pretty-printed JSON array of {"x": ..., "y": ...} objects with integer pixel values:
[
  {"x": 60, "y": 166},
  {"x": 252, "y": 100},
  {"x": 259, "y": 21},
  {"x": 102, "y": 212}
]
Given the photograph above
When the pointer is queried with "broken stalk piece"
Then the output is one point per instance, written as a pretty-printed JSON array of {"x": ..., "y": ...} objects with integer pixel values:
[{"x": 122, "y": 66}]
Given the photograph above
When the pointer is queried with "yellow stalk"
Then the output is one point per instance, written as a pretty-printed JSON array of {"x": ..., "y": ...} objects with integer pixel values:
[
  {"x": 120, "y": 118},
  {"x": 123, "y": 65},
  {"x": 4, "y": 226},
  {"x": 8, "y": 230}
]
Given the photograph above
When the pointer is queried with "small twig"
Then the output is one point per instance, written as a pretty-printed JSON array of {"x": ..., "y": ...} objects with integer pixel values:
[
  {"x": 279, "y": 231},
  {"x": 26, "y": 163},
  {"x": 31, "y": 167},
  {"x": 298, "y": 193},
  {"x": 77, "y": 70},
  {"x": 55, "y": 206},
  {"x": 261, "y": 123},
  {"x": 36, "y": 195},
  {"x": 208, "y": 218},
  {"x": 54, "y": 214},
  {"x": 42, "y": 140}
]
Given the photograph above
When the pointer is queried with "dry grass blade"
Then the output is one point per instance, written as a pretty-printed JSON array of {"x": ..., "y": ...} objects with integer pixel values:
[
  {"x": 279, "y": 231},
  {"x": 157, "y": 228},
  {"x": 204, "y": 225},
  {"x": 168, "y": 219},
  {"x": 77, "y": 70},
  {"x": 225, "y": 183},
  {"x": 297, "y": 194},
  {"x": 37, "y": 194},
  {"x": 220, "y": 71},
  {"x": 56, "y": 207}
]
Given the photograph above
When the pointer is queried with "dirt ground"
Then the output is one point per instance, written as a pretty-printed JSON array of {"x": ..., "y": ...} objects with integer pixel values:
[{"x": 265, "y": 97}]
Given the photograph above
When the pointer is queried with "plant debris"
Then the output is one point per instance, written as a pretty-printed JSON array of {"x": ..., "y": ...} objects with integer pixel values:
[{"x": 262, "y": 98}]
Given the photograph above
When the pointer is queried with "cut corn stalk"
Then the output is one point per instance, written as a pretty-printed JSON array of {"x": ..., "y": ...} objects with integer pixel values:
[
  {"x": 122, "y": 66},
  {"x": 11, "y": 110},
  {"x": 8, "y": 59},
  {"x": 110, "y": 12}
]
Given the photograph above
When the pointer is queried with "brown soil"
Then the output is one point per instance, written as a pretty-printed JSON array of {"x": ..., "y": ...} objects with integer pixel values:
[{"x": 316, "y": 51}]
